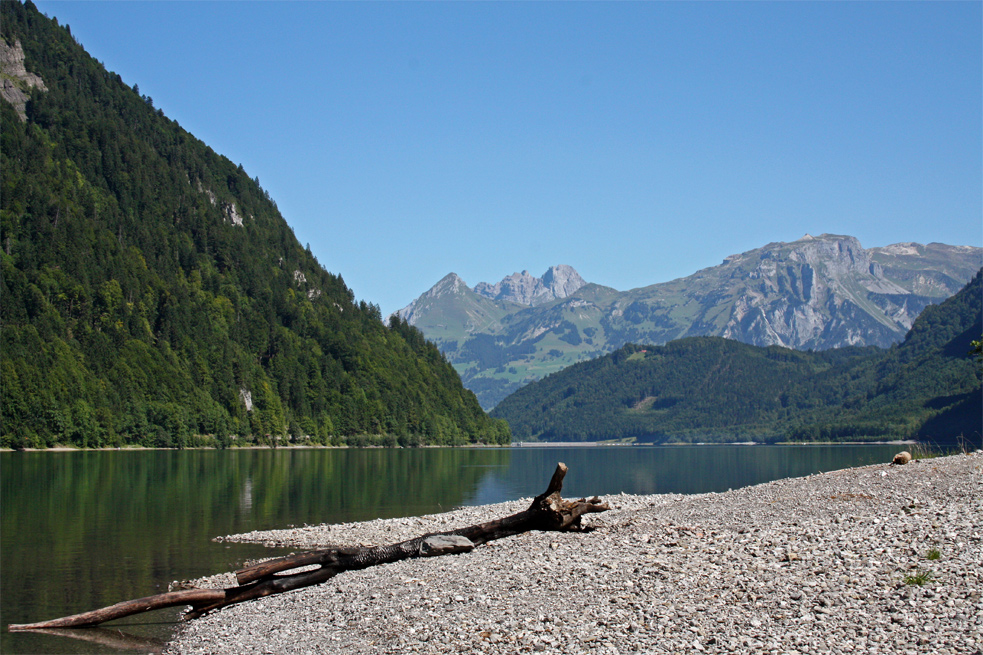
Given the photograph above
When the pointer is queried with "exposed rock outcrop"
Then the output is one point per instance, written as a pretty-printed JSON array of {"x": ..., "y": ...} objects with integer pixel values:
[
  {"x": 557, "y": 282},
  {"x": 232, "y": 214},
  {"x": 15, "y": 80},
  {"x": 812, "y": 289}
]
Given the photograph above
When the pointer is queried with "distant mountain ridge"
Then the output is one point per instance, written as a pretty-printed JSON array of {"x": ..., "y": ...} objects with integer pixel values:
[
  {"x": 518, "y": 289},
  {"x": 557, "y": 282},
  {"x": 818, "y": 292},
  {"x": 712, "y": 389}
]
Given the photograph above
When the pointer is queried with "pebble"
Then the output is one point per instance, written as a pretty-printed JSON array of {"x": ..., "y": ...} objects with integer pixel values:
[{"x": 808, "y": 565}]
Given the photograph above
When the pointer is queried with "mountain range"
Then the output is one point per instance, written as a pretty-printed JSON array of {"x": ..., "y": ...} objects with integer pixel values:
[
  {"x": 711, "y": 389},
  {"x": 818, "y": 292}
]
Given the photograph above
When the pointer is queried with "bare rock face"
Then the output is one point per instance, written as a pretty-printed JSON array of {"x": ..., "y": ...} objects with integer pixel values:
[
  {"x": 522, "y": 288},
  {"x": 450, "y": 283},
  {"x": 817, "y": 291},
  {"x": 15, "y": 80},
  {"x": 562, "y": 281},
  {"x": 232, "y": 214},
  {"x": 557, "y": 282}
]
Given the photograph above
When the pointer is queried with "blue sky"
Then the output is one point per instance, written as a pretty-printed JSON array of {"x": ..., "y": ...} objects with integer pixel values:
[{"x": 636, "y": 142}]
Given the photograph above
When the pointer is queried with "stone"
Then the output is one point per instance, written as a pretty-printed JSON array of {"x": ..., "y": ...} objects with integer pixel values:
[
  {"x": 514, "y": 594},
  {"x": 444, "y": 545},
  {"x": 902, "y": 458}
]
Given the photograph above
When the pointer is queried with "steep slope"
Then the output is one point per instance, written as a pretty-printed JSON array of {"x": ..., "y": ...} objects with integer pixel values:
[
  {"x": 713, "y": 389},
  {"x": 152, "y": 292},
  {"x": 934, "y": 270},
  {"x": 815, "y": 293}
]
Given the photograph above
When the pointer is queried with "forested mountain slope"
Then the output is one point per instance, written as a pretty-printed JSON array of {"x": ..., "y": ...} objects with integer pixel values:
[
  {"x": 153, "y": 293},
  {"x": 714, "y": 389}
]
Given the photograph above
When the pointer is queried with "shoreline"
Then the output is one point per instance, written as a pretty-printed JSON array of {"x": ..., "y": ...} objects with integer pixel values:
[
  {"x": 71, "y": 449},
  {"x": 824, "y": 563},
  {"x": 515, "y": 444}
]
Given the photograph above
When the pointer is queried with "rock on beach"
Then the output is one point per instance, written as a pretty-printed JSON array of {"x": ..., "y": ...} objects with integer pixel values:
[{"x": 829, "y": 563}]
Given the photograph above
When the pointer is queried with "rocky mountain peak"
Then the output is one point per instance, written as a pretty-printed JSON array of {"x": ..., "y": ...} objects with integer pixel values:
[
  {"x": 828, "y": 247},
  {"x": 797, "y": 294},
  {"x": 450, "y": 283},
  {"x": 843, "y": 257},
  {"x": 524, "y": 289},
  {"x": 563, "y": 280}
]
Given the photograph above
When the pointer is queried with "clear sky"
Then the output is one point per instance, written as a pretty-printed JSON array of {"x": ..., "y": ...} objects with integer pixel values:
[{"x": 636, "y": 142}]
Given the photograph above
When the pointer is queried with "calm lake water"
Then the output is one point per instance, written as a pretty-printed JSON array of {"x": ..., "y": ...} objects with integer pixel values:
[{"x": 81, "y": 530}]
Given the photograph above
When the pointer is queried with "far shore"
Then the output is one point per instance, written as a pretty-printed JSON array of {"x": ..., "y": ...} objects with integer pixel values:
[
  {"x": 67, "y": 449},
  {"x": 514, "y": 444}
]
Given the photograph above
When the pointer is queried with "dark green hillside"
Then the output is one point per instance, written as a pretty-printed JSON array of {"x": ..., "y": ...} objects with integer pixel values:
[
  {"x": 153, "y": 293},
  {"x": 928, "y": 387},
  {"x": 931, "y": 376},
  {"x": 695, "y": 388},
  {"x": 708, "y": 389}
]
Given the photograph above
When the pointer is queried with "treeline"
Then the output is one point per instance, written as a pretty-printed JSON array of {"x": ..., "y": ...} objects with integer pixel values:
[
  {"x": 153, "y": 294},
  {"x": 712, "y": 389}
]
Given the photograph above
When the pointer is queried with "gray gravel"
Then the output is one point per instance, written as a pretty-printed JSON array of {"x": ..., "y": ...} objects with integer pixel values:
[{"x": 808, "y": 565}]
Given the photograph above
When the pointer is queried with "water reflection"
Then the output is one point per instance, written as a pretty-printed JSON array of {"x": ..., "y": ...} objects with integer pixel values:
[
  {"x": 82, "y": 530},
  {"x": 246, "y": 498},
  {"x": 113, "y": 639},
  {"x": 672, "y": 469}
]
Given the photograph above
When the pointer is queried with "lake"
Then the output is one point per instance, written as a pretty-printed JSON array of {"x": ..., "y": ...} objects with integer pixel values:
[{"x": 85, "y": 529}]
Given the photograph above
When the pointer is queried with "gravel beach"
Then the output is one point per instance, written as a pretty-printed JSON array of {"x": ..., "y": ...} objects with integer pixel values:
[{"x": 829, "y": 563}]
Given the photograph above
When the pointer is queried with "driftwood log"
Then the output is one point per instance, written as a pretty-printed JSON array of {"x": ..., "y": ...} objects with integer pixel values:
[{"x": 548, "y": 512}]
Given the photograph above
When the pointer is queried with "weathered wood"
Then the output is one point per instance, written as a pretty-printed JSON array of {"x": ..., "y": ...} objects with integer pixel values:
[
  {"x": 127, "y": 608},
  {"x": 547, "y": 512},
  {"x": 200, "y": 600}
]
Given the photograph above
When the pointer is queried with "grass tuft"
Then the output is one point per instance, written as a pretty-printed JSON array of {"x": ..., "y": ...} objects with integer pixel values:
[{"x": 918, "y": 578}]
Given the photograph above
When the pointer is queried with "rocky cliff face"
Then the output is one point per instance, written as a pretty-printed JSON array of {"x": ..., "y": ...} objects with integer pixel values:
[
  {"x": 524, "y": 289},
  {"x": 928, "y": 270},
  {"x": 816, "y": 292},
  {"x": 15, "y": 80}
]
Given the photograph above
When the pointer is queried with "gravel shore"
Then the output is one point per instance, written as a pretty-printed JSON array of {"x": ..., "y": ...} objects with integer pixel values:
[{"x": 829, "y": 563}]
